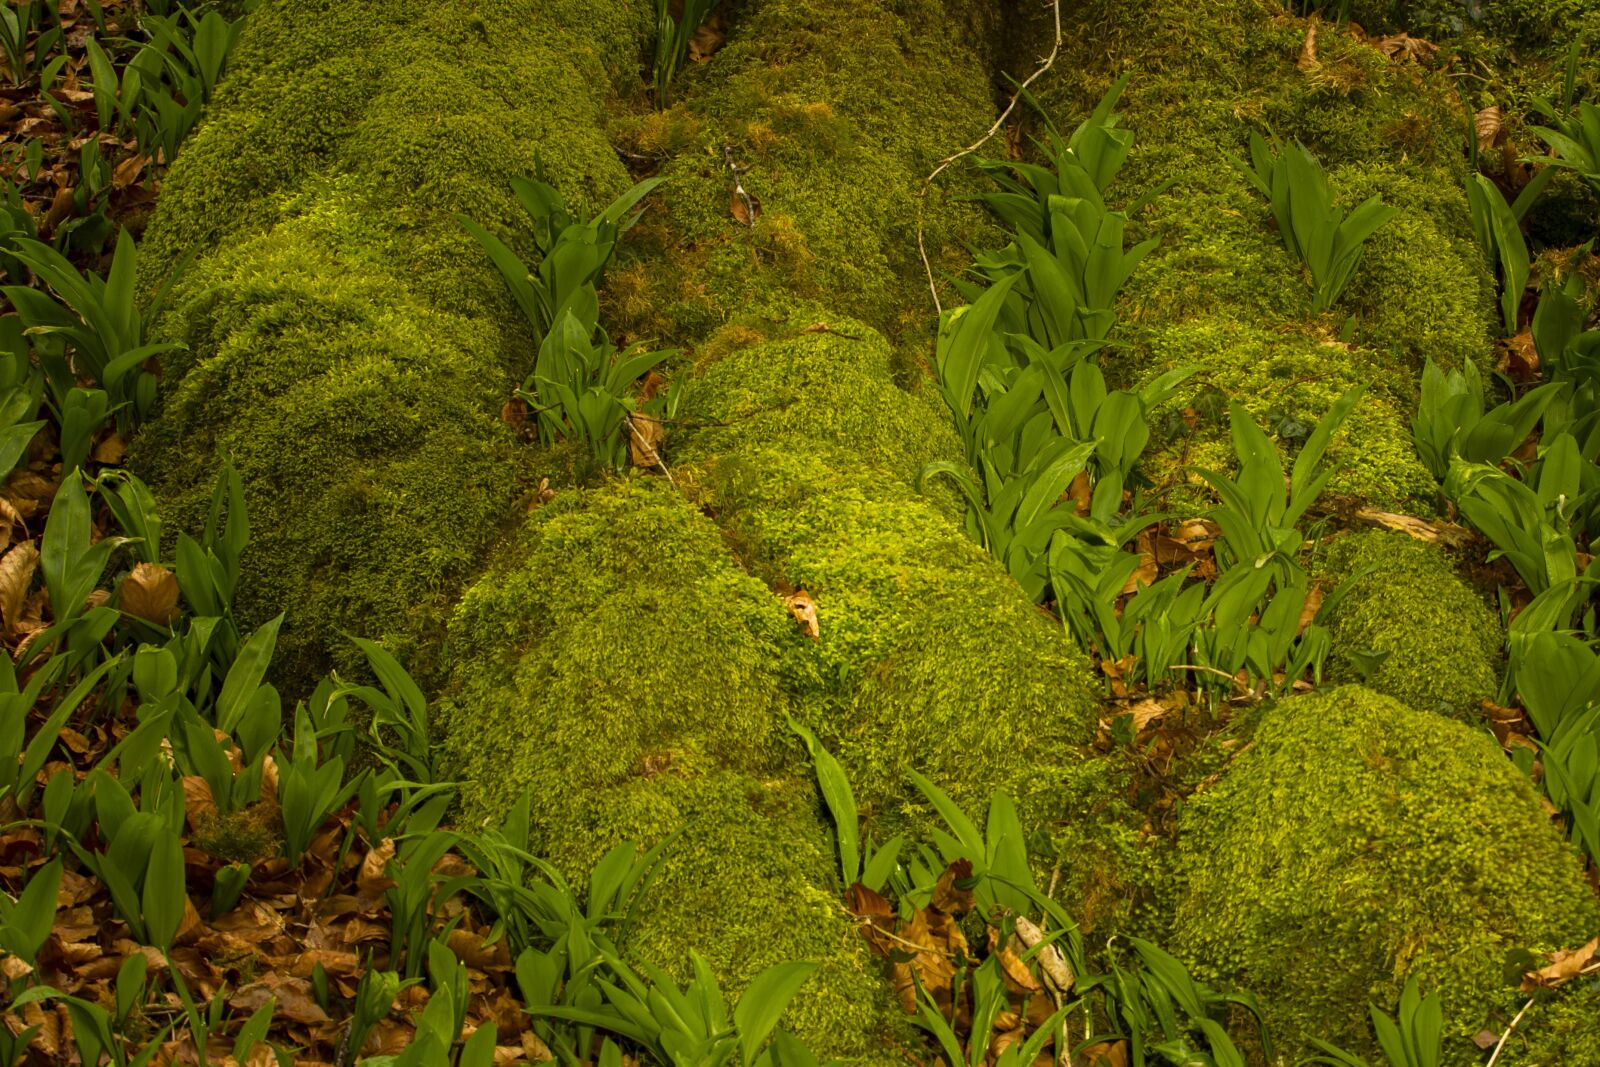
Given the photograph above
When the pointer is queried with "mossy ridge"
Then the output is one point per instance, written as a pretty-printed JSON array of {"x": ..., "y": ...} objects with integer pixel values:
[
  {"x": 929, "y": 656},
  {"x": 1441, "y": 640},
  {"x": 1361, "y": 841},
  {"x": 1381, "y": 127},
  {"x": 618, "y": 666},
  {"x": 800, "y": 94},
  {"x": 348, "y": 342}
]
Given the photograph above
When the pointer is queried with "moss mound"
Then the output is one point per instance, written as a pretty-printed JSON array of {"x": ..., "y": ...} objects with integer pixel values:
[
  {"x": 1438, "y": 642},
  {"x": 348, "y": 343},
  {"x": 1221, "y": 292},
  {"x": 1361, "y": 841},
  {"x": 616, "y": 664}
]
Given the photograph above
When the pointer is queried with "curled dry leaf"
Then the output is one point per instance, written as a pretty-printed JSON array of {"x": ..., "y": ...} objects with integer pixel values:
[
  {"x": 150, "y": 591},
  {"x": 1145, "y": 574},
  {"x": 1308, "y": 52},
  {"x": 16, "y": 574},
  {"x": 876, "y": 915},
  {"x": 514, "y": 413},
  {"x": 1564, "y": 965},
  {"x": 646, "y": 435},
  {"x": 804, "y": 610},
  {"x": 1519, "y": 359},
  {"x": 1487, "y": 125},
  {"x": 373, "y": 880},
  {"x": 295, "y": 1000}
]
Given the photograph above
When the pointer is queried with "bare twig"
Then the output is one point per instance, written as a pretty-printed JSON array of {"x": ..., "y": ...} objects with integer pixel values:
[
  {"x": 944, "y": 164},
  {"x": 651, "y": 449},
  {"x": 1507, "y": 1035},
  {"x": 738, "y": 186}
]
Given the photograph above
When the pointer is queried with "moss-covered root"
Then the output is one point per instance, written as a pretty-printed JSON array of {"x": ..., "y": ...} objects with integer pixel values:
[
  {"x": 1410, "y": 626},
  {"x": 1359, "y": 842},
  {"x": 347, "y": 343},
  {"x": 1221, "y": 292},
  {"x": 619, "y": 667},
  {"x": 929, "y": 655},
  {"x": 833, "y": 111}
]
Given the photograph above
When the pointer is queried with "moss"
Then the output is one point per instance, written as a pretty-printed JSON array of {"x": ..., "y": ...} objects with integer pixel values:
[
  {"x": 1560, "y": 1032},
  {"x": 930, "y": 656},
  {"x": 798, "y": 95},
  {"x": 1287, "y": 381},
  {"x": 618, "y": 666},
  {"x": 1358, "y": 842},
  {"x": 1221, "y": 292},
  {"x": 1441, "y": 640},
  {"x": 348, "y": 345}
]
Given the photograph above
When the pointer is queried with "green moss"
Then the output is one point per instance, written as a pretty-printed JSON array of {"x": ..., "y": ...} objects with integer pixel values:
[
  {"x": 616, "y": 664},
  {"x": 1358, "y": 842},
  {"x": 1442, "y": 642},
  {"x": 1287, "y": 381},
  {"x": 800, "y": 95},
  {"x": 930, "y": 656},
  {"x": 1560, "y": 1032},
  {"x": 1221, "y": 292},
  {"x": 348, "y": 345}
]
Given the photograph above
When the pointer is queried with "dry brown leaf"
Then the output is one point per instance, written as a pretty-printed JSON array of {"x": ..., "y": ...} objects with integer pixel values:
[
  {"x": 745, "y": 207},
  {"x": 1018, "y": 979},
  {"x": 878, "y": 918},
  {"x": 295, "y": 1000},
  {"x": 127, "y": 172},
  {"x": 16, "y": 574},
  {"x": 60, "y": 211},
  {"x": 1308, "y": 612},
  {"x": 1519, "y": 359},
  {"x": 1487, "y": 125},
  {"x": 514, "y": 413},
  {"x": 111, "y": 449},
  {"x": 950, "y": 898},
  {"x": 1564, "y": 964},
  {"x": 646, "y": 435},
  {"x": 1145, "y": 574},
  {"x": 1106, "y": 1054},
  {"x": 804, "y": 610},
  {"x": 150, "y": 592},
  {"x": 707, "y": 40},
  {"x": 1079, "y": 493},
  {"x": 1405, "y": 46},
  {"x": 373, "y": 880},
  {"x": 1308, "y": 51},
  {"x": 9, "y": 519}
]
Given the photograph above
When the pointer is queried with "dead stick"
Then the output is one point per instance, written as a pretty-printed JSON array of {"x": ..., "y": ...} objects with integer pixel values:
[
  {"x": 1507, "y": 1035},
  {"x": 944, "y": 164}
]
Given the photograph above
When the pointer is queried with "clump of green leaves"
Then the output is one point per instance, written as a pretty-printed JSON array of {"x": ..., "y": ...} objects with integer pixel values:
[
  {"x": 673, "y": 33},
  {"x": 579, "y": 385},
  {"x": 1312, "y": 225}
]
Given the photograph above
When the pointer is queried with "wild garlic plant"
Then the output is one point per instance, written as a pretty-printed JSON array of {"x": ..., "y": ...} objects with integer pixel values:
[
  {"x": 1316, "y": 230},
  {"x": 580, "y": 382}
]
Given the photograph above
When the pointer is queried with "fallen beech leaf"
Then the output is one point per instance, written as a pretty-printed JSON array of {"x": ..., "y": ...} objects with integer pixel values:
[
  {"x": 127, "y": 172},
  {"x": 295, "y": 1000},
  {"x": 1106, "y": 1054},
  {"x": 804, "y": 610},
  {"x": 373, "y": 880},
  {"x": 1519, "y": 359},
  {"x": 1487, "y": 125},
  {"x": 1019, "y": 980},
  {"x": 949, "y": 897},
  {"x": 150, "y": 592},
  {"x": 707, "y": 40},
  {"x": 60, "y": 211},
  {"x": 16, "y": 574},
  {"x": 111, "y": 449},
  {"x": 1145, "y": 574},
  {"x": 744, "y": 206},
  {"x": 514, "y": 413},
  {"x": 646, "y": 435},
  {"x": 1079, "y": 493},
  {"x": 871, "y": 906},
  {"x": 1308, "y": 51},
  {"x": 1309, "y": 611},
  {"x": 1564, "y": 964}
]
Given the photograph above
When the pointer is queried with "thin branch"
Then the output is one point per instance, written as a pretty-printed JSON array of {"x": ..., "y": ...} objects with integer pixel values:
[
  {"x": 944, "y": 164},
  {"x": 1507, "y": 1035}
]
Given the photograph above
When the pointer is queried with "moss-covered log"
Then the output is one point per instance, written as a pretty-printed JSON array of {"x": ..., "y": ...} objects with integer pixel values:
[
  {"x": 348, "y": 345},
  {"x": 1359, "y": 842}
]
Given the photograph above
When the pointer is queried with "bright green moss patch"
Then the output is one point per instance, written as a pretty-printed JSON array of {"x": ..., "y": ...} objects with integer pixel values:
[
  {"x": 1288, "y": 381},
  {"x": 930, "y": 656},
  {"x": 619, "y": 666},
  {"x": 1360, "y": 841},
  {"x": 834, "y": 113},
  {"x": 1411, "y": 628},
  {"x": 348, "y": 344}
]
